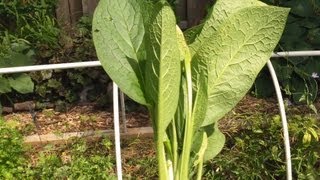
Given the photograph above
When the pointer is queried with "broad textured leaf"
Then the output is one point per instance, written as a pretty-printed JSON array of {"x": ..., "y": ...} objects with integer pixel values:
[
  {"x": 200, "y": 103},
  {"x": 21, "y": 83},
  {"x": 118, "y": 32},
  {"x": 192, "y": 33},
  {"x": 236, "y": 53},
  {"x": 15, "y": 59},
  {"x": 4, "y": 85},
  {"x": 216, "y": 140},
  {"x": 146, "y": 8},
  {"x": 183, "y": 47},
  {"x": 218, "y": 14},
  {"x": 163, "y": 67}
]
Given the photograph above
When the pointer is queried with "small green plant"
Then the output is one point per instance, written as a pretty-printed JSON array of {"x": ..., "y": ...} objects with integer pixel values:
[
  {"x": 257, "y": 151},
  {"x": 82, "y": 162},
  {"x": 15, "y": 52},
  {"x": 11, "y": 152},
  {"x": 187, "y": 81},
  {"x": 31, "y": 20}
]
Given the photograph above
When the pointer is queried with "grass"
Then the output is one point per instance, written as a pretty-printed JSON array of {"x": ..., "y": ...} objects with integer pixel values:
[{"x": 254, "y": 150}]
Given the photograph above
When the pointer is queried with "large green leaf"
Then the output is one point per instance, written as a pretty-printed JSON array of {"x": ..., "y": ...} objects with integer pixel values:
[
  {"x": 236, "y": 53},
  {"x": 118, "y": 32},
  {"x": 218, "y": 14},
  {"x": 192, "y": 33},
  {"x": 216, "y": 140},
  {"x": 21, "y": 83},
  {"x": 15, "y": 59},
  {"x": 163, "y": 66},
  {"x": 4, "y": 85},
  {"x": 200, "y": 104}
]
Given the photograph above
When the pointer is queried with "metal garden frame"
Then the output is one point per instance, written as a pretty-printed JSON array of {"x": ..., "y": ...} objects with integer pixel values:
[{"x": 116, "y": 100}]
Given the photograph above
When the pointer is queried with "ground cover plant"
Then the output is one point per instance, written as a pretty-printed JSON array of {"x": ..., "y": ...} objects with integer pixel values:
[
  {"x": 187, "y": 81},
  {"x": 76, "y": 160},
  {"x": 30, "y": 34},
  {"x": 256, "y": 150},
  {"x": 248, "y": 132}
]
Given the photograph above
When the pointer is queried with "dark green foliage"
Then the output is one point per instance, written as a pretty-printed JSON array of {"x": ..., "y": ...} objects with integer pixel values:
[
  {"x": 83, "y": 161},
  {"x": 31, "y": 20},
  {"x": 302, "y": 32},
  {"x": 257, "y": 151},
  {"x": 15, "y": 52},
  {"x": 30, "y": 35},
  {"x": 25, "y": 28},
  {"x": 11, "y": 152}
]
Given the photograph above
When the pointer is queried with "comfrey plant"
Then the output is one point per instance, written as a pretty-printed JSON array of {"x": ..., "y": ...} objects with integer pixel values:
[{"x": 188, "y": 81}]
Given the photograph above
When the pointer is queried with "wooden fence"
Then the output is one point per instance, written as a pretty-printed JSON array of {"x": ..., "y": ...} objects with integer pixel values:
[{"x": 190, "y": 12}]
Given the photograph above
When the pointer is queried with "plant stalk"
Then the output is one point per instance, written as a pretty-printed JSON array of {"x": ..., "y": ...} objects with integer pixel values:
[
  {"x": 201, "y": 152},
  {"x": 174, "y": 147},
  {"x": 188, "y": 133},
  {"x": 162, "y": 163}
]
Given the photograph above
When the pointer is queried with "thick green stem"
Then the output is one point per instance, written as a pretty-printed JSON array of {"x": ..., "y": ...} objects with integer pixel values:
[
  {"x": 188, "y": 133},
  {"x": 162, "y": 163},
  {"x": 174, "y": 147},
  {"x": 200, "y": 167},
  {"x": 201, "y": 152}
]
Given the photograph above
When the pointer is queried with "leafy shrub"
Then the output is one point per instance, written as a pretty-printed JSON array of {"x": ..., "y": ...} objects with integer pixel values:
[
  {"x": 152, "y": 63},
  {"x": 15, "y": 52},
  {"x": 257, "y": 152},
  {"x": 81, "y": 162},
  {"x": 31, "y": 20},
  {"x": 11, "y": 152}
]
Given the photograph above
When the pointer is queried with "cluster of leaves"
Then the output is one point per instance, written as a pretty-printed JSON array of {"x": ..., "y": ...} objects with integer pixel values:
[
  {"x": 257, "y": 151},
  {"x": 15, "y": 52},
  {"x": 30, "y": 35},
  {"x": 11, "y": 152},
  {"x": 81, "y": 162},
  {"x": 31, "y": 20},
  {"x": 25, "y": 26},
  {"x": 297, "y": 75},
  {"x": 188, "y": 81},
  {"x": 75, "y": 84}
]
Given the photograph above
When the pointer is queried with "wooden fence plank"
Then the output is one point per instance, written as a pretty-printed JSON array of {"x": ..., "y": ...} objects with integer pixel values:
[
  {"x": 189, "y": 12},
  {"x": 196, "y": 11},
  {"x": 93, "y": 135},
  {"x": 75, "y": 10},
  {"x": 63, "y": 13},
  {"x": 88, "y": 6}
]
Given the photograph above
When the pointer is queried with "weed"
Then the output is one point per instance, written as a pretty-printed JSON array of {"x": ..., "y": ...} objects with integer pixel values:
[
  {"x": 11, "y": 153},
  {"x": 257, "y": 151}
]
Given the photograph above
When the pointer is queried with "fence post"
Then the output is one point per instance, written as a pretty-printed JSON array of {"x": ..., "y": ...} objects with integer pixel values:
[{"x": 88, "y": 6}]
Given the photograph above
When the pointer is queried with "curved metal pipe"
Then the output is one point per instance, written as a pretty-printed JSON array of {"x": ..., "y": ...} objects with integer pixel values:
[
  {"x": 283, "y": 119},
  {"x": 117, "y": 129}
]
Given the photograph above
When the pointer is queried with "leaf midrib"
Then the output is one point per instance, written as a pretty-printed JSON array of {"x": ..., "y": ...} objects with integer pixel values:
[{"x": 215, "y": 82}]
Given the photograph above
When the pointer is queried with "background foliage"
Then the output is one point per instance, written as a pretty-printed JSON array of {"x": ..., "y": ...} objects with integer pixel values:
[
  {"x": 256, "y": 150},
  {"x": 299, "y": 76},
  {"x": 29, "y": 34}
]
